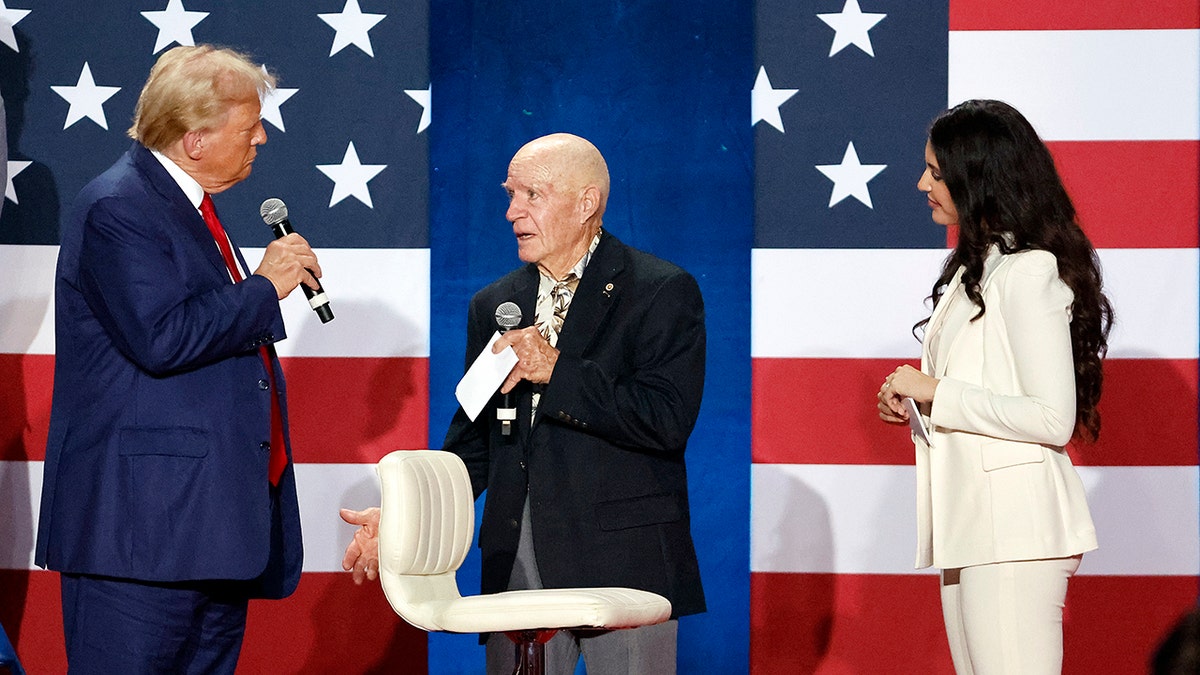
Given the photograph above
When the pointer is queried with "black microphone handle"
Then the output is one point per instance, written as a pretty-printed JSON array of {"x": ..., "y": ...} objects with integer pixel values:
[{"x": 282, "y": 229}]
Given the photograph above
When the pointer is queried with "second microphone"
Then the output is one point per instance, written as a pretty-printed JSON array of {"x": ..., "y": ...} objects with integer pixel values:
[{"x": 508, "y": 315}]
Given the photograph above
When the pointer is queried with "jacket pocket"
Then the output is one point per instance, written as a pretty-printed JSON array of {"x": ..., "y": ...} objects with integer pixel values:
[
  {"x": 620, "y": 514},
  {"x": 1003, "y": 454},
  {"x": 170, "y": 441}
]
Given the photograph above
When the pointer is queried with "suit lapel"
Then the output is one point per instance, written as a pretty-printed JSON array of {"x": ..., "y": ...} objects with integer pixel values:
[
  {"x": 524, "y": 292},
  {"x": 182, "y": 214},
  {"x": 947, "y": 343},
  {"x": 594, "y": 298},
  {"x": 936, "y": 321}
]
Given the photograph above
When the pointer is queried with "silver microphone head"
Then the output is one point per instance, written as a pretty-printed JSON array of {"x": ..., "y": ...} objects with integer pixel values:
[
  {"x": 273, "y": 211},
  {"x": 508, "y": 315}
]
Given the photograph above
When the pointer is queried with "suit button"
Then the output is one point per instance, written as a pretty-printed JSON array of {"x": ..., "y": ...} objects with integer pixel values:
[
  {"x": 514, "y": 524},
  {"x": 265, "y": 446},
  {"x": 523, "y": 466},
  {"x": 264, "y": 385}
]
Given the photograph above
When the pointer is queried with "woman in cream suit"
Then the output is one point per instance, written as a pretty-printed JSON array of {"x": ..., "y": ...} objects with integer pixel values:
[{"x": 1010, "y": 372}]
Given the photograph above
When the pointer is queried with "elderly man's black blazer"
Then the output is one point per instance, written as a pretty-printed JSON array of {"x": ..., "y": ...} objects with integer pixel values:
[{"x": 604, "y": 458}]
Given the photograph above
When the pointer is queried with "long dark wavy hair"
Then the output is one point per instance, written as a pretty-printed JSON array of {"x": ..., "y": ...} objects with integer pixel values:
[{"x": 1007, "y": 193}]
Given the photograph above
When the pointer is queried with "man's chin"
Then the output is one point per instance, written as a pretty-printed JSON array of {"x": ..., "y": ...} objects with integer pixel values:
[{"x": 526, "y": 252}]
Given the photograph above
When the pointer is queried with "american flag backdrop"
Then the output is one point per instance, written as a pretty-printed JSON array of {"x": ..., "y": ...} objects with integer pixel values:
[
  {"x": 802, "y": 224},
  {"x": 347, "y": 151},
  {"x": 845, "y": 252}
]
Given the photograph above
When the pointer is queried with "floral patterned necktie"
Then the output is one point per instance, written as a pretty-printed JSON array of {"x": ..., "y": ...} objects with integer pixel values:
[{"x": 552, "y": 310}]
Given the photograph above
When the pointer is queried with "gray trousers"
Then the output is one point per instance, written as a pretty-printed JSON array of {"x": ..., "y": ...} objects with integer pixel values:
[{"x": 649, "y": 649}]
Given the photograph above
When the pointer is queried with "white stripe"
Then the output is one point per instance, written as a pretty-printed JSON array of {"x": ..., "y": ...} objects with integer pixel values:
[
  {"x": 839, "y": 303},
  {"x": 862, "y": 303},
  {"x": 380, "y": 303},
  {"x": 379, "y": 297},
  {"x": 1085, "y": 85},
  {"x": 832, "y": 518},
  {"x": 323, "y": 489},
  {"x": 856, "y": 519},
  {"x": 21, "y": 490},
  {"x": 26, "y": 298},
  {"x": 1155, "y": 294}
]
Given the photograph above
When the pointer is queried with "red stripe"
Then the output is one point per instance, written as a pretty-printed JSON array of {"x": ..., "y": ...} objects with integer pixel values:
[
  {"x": 1130, "y": 194},
  {"x": 25, "y": 405},
  {"x": 31, "y": 613},
  {"x": 822, "y": 411},
  {"x": 1134, "y": 194},
  {"x": 852, "y": 623},
  {"x": 1073, "y": 15},
  {"x": 340, "y": 409},
  {"x": 328, "y": 625},
  {"x": 345, "y": 410}
]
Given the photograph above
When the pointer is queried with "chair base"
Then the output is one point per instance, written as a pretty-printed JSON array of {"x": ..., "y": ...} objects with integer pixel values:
[{"x": 530, "y": 646}]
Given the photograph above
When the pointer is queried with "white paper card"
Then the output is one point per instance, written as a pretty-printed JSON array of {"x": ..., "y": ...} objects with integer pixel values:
[
  {"x": 484, "y": 377},
  {"x": 915, "y": 422}
]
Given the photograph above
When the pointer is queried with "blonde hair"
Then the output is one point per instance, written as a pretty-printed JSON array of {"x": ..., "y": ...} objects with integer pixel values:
[{"x": 192, "y": 88}]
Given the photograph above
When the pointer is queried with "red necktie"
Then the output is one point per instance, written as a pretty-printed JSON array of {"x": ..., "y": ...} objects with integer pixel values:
[{"x": 278, "y": 459}]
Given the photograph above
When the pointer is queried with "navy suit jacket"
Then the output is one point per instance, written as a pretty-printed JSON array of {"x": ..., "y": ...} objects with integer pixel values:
[
  {"x": 603, "y": 461},
  {"x": 156, "y": 462}
]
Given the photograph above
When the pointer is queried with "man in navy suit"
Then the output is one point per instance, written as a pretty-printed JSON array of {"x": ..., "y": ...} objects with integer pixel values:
[
  {"x": 590, "y": 488},
  {"x": 169, "y": 498}
]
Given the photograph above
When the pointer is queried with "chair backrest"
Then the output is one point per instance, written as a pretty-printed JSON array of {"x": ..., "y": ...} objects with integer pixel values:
[{"x": 427, "y": 520}]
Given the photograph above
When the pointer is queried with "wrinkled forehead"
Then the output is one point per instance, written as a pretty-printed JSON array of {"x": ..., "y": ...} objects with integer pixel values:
[{"x": 534, "y": 169}]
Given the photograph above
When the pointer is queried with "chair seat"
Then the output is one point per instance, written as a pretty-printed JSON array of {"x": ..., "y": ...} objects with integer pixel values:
[
  {"x": 426, "y": 525},
  {"x": 553, "y": 608}
]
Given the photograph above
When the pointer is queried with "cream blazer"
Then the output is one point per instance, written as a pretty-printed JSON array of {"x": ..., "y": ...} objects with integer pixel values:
[{"x": 995, "y": 484}]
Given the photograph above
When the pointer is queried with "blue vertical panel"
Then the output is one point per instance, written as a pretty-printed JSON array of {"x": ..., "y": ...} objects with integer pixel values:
[{"x": 662, "y": 89}]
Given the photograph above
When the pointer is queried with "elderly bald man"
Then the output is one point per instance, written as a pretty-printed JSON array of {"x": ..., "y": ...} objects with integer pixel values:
[{"x": 590, "y": 489}]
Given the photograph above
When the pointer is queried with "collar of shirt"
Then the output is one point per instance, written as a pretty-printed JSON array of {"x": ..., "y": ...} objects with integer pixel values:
[
  {"x": 191, "y": 189},
  {"x": 547, "y": 280}
]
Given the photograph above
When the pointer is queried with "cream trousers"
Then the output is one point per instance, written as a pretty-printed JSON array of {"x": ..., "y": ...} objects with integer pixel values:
[{"x": 1006, "y": 618}]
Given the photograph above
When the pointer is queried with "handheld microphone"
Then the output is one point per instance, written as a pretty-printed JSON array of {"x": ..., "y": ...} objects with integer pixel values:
[
  {"x": 508, "y": 315},
  {"x": 275, "y": 214}
]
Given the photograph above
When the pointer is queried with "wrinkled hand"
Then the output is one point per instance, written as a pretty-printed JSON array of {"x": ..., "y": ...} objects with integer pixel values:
[
  {"x": 362, "y": 555},
  {"x": 289, "y": 262},
  {"x": 535, "y": 357},
  {"x": 903, "y": 382}
]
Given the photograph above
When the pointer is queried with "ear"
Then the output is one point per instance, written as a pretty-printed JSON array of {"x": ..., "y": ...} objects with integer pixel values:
[
  {"x": 193, "y": 144},
  {"x": 589, "y": 202}
]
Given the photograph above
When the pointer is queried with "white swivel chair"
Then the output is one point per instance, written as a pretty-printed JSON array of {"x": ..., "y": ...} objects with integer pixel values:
[{"x": 427, "y": 521}]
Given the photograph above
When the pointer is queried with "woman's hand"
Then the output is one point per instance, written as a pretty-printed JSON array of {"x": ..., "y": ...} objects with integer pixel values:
[{"x": 903, "y": 382}]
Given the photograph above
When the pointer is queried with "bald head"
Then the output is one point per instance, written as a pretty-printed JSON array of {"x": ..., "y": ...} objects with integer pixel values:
[
  {"x": 557, "y": 189},
  {"x": 569, "y": 162}
]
